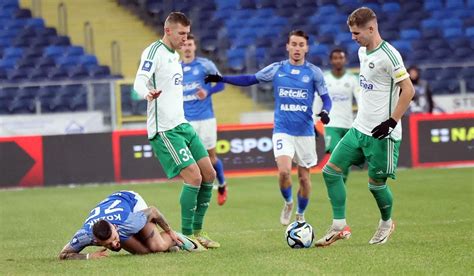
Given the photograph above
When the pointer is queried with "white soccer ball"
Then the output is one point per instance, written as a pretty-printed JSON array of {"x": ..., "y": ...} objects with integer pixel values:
[{"x": 299, "y": 235}]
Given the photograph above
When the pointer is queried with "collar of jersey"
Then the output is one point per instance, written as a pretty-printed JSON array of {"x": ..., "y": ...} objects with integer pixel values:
[
  {"x": 378, "y": 47},
  {"x": 171, "y": 51}
]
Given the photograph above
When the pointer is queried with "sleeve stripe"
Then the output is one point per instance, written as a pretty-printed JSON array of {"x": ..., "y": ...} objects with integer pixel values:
[
  {"x": 153, "y": 49},
  {"x": 389, "y": 53}
]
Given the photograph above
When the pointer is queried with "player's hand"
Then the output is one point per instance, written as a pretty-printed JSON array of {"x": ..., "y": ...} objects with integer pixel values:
[
  {"x": 152, "y": 94},
  {"x": 174, "y": 237},
  {"x": 324, "y": 117},
  {"x": 102, "y": 253},
  {"x": 383, "y": 130},
  {"x": 213, "y": 78},
  {"x": 201, "y": 94}
]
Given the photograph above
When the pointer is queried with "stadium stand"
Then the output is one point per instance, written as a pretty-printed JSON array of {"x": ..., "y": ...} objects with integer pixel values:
[{"x": 33, "y": 53}]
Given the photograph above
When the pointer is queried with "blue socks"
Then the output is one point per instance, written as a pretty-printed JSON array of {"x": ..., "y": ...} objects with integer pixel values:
[
  {"x": 219, "y": 167},
  {"x": 302, "y": 203},
  {"x": 286, "y": 193}
]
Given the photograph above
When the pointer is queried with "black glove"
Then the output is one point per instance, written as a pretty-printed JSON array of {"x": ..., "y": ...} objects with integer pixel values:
[
  {"x": 324, "y": 117},
  {"x": 383, "y": 130},
  {"x": 213, "y": 78}
]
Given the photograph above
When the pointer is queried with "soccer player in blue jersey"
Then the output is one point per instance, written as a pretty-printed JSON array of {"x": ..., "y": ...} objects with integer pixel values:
[
  {"x": 198, "y": 108},
  {"x": 123, "y": 220},
  {"x": 296, "y": 83}
]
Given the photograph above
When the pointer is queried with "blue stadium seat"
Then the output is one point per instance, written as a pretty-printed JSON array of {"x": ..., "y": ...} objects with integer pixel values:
[
  {"x": 430, "y": 23},
  {"x": 60, "y": 40},
  {"x": 74, "y": 51},
  {"x": 470, "y": 4},
  {"x": 452, "y": 23},
  {"x": 22, "y": 106},
  {"x": 35, "y": 23},
  {"x": 67, "y": 61},
  {"x": 78, "y": 72},
  {"x": 463, "y": 53},
  {"x": 78, "y": 103},
  {"x": 38, "y": 75},
  {"x": 462, "y": 14},
  {"x": 88, "y": 60},
  {"x": 18, "y": 75},
  {"x": 410, "y": 34},
  {"x": 439, "y": 87},
  {"x": 99, "y": 71},
  {"x": 54, "y": 51},
  {"x": 470, "y": 32},
  {"x": 57, "y": 73},
  {"x": 409, "y": 24},
  {"x": 39, "y": 41},
  {"x": 46, "y": 32},
  {"x": 470, "y": 85},
  {"x": 29, "y": 92},
  {"x": 431, "y": 33},
  {"x": 22, "y": 13},
  {"x": 391, "y": 7},
  {"x": 467, "y": 73},
  {"x": 455, "y": 4},
  {"x": 319, "y": 50},
  {"x": 26, "y": 62},
  {"x": 402, "y": 45},
  {"x": 9, "y": 4},
  {"x": 431, "y": 5},
  {"x": 8, "y": 63},
  {"x": 453, "y": 33},
  {"x": 45, "y": 62},
  {"x": 12, "y": 52}
]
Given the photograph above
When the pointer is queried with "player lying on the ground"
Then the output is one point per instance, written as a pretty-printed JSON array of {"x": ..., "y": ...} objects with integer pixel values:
[{"x": 123, "y": 220}]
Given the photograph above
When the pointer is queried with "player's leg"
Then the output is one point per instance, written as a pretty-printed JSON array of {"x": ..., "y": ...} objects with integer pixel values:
[
  {"x": 346, "y": 153},
  {"x": 219, "y": 167},
  {"x": 205, "y": 192},
  {"x": 332, "y": 136},
  {"x": 382, "y": 164},
  {"x": 154, "y": 240},
  {"x": 284, "y": 150},
  {"x": 176, "y": 159},
  {"x": 306, "y": 157},
  {"x": 135, "y": 246}
]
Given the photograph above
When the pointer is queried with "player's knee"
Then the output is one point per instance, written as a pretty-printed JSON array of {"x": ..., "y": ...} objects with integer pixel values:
[
  {"x": 329, "y": 170},
  {"x": 209, "y": 176},
  {"x": 284, "y": 175},
  {"x": 377, "y": 180}
]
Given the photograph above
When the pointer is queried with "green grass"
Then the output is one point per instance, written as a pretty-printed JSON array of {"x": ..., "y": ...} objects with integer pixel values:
[{"x": 433, "y": 209}]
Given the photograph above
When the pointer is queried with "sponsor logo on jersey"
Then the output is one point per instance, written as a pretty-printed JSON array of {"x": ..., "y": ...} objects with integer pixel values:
[
  {"x": 339, "y": 98},
  {"x": 186, "y": 68},
  {"x": 191, "y": 97},
  {"x": 295, "y": 71},
  {"x": 147, "y": 65},
  {"x": 294, "y": 93},
  {"x": 188, "y": 86},
  {"x": 293, "y": 107},
  {"x": 364, "y": 83},
  {"x": 177, "y": 79}
]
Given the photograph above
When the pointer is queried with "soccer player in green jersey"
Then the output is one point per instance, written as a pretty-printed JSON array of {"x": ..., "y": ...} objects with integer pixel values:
[
  {"x": 375, "y": 136},
  {"x": 175, "y": 143},
  {"x": 343, "y": 87}
]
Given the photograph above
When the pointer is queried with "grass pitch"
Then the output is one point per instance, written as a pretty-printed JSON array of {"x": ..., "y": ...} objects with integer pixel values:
[{"x": 433, "y": 209}]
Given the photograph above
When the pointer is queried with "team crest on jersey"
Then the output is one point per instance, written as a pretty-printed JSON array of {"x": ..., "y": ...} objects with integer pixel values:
[
  {"x": 371, "y": 65},
  {"x": 195, "y": 72},
  {"x": 305, "y": 78},
  {"x": 147, "y": 65},
  {"x": 346, "y": 85}
]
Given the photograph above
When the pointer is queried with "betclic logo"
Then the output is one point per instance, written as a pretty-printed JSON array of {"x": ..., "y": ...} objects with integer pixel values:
[{"x": 455, "y": 134}]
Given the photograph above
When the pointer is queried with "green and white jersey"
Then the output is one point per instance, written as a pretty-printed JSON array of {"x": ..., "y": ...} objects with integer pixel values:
[
  {"x": 380, "y": 70},
  {"x": 160, "y": 69},
  {"x": 341, "y": 90}
]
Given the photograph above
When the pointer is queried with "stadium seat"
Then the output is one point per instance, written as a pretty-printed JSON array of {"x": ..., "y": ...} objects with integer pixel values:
[
  {"x": 467, "y": 73},
  {"x": 22, "y": 13},
  {"x": 455, "y": 4},
  {"x": 26, "y": 62},
  {"x": 391, "y": 7},
  {"x": 39, "y": 41},
  {"x": 439, "y": 87},
  {"x": 12, "y": 52},
  {"x": 35, "y": 23},
  {"x": 45, "y": 62},
  {"x": 410, "y": 34},
  {"x": 470, "y": 32},
  {"x": 470, "y": 85},
  {"x": 38, "y": 75},
  {"x": 452, "y": 23},
  {"x": 402, "y": 45},
  {"x": 67, "y": 61},
  {"x": 22, "y": 106},
  {"x": 430, "y": 23},
  {"x": 74, "y": 51},
  {"x": 453, "y": 33},
  {"x": 57, "y": 73},
  {"x": 54, "y": 51},
  {"x": 60, "y": 40},
  {"x": 99, "y": 71},
  {"x": 78, "y": 72},
  {"x": 8, "y": 63},
  {"x": 18, "y": 75},
  {"x": 470, "y": 4},
  {"x": 431, "y": 5}
]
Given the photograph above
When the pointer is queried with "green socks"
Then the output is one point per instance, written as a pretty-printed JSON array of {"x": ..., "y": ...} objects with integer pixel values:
[
  {"x": 188, "y": 200},
  {"x": 336, "y": 191},
  {"x": 384, "y": 198},
  {"x": 203, "y": 199}
]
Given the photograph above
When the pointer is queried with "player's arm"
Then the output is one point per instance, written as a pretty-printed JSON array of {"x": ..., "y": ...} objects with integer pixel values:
[
  {"x": 211, "y": 68},
  {"x": 322, "y": 90},
  {"x": 407, "y": 93},
  {"x": 69, "y": 253},
  {"x": 242, "y": 80},
  {"x": 144, "y": 76}
]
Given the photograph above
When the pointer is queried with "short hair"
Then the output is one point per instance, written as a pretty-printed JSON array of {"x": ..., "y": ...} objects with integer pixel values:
[
  {"x": 361, "y": 16},
  {"x": 299, "y": 33},
  {"x": 177, "y": 17},
  {"x": 102, "y": 230},
  {"x": 337, "y": 50}
]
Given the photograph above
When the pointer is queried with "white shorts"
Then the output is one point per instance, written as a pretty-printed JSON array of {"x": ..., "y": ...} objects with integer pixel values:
[
  {"x": 141, "y": 204},
  {"x": 207, "y": 132},
  {"x": 302, "y": 149}
]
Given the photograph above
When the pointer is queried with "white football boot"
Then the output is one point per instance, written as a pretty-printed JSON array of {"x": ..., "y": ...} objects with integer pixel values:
[
  {"x": 382, "y": 234},
  {"x": 285, "y": 216},
  {"x": 333, "y": 235}
]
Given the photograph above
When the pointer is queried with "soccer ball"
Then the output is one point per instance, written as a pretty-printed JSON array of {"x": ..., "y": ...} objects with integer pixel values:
[{"x": 299, "y": 235}]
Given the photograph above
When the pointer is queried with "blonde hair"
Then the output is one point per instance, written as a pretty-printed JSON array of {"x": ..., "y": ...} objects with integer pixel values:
[{"x": 361, "y": 16}]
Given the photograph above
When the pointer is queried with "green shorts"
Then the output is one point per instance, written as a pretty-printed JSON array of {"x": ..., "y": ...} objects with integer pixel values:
[
  {"x": 355, "y": 148},
  {"x": 332, "y": 136},
  {"x": 177, "y": 148}
]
